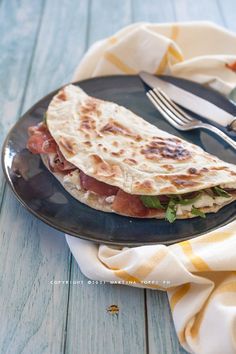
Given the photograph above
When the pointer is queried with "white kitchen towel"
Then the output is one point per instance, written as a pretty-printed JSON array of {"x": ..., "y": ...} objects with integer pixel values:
[{"x": 200, "y": 274}]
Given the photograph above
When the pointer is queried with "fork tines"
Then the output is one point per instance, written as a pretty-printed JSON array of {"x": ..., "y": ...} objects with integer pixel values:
[{"x": 175, "y": 115}]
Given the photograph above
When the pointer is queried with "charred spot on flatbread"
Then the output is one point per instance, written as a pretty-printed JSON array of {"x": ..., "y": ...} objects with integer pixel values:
[
  {"x": 167, "y": 167},
  {"x": 87, "y": 122},
  {"x": 68, "y": 145},
  {"x": 144, "y": 187},
  {"x": 116, "y": 128},
  {"x": 90, "y": 107},
  {"x": 167, "y": 190},
  {"x": 167, "y": 149},
  {"x": 103, "y": 168},
  {"x": 130, "y": 161}
]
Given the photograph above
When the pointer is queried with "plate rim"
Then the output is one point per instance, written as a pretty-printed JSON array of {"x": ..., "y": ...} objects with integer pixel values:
[{"x": 61, "y": 229}]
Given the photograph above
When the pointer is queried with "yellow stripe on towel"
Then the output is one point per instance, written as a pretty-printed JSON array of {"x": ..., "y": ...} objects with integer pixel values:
[
  {"x": 148, "y": 266},
  {"x": 227, "y": 287},
  {"x": 177, "y": 55},
  {"x": 143, "y": 270},
  {"x": 170, "y": 50},
  {"x": 125, "y": 276},
  {"x": 174, "y": 32},
  {"x": 178, "y": 295},
  {"x": 196, "y": 260},
  {"x": 162, "y": 64},
  {"x": 113, "y": 59},
  {"x": 217, "y": 236},
  {"x": 112, "y": 40},
  {"x": 181, "y": 336}
]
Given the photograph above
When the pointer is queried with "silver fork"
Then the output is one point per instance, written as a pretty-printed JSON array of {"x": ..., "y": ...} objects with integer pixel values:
[{"x": 178, "y": 118}]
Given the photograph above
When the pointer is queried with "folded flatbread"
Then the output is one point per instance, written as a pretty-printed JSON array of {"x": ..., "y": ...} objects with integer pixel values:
[{"x": 113, "y": 160}]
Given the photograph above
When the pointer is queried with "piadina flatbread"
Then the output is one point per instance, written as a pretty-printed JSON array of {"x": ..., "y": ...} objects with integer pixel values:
[{"x": 115, "y": 161}]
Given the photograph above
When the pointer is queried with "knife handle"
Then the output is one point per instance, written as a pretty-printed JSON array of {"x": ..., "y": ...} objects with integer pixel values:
[{"x": 217, "y": 131}]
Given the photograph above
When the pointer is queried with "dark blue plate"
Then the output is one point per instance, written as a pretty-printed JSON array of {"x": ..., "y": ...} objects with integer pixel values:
[{"x": 37, "y": 189}]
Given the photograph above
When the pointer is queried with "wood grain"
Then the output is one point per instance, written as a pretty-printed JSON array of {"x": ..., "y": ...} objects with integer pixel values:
[
  {"x": 153, "y": 10},
  {"x": 107, "y": 17},
  {"x": 18, "y": 36},
  {"x": 200, "y": 10},
  {"x": 161, "y": 330},
  {"x": 61, "y": 43},
  {"x": 228, "y": 13},
  {"x": 93, "y": 329},
  {"x": 33, "y": 309}
]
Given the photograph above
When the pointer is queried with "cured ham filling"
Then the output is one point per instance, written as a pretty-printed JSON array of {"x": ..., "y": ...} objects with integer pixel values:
[{"x": 41, "y": 142}]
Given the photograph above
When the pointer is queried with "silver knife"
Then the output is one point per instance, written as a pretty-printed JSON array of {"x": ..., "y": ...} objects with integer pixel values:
[{"x": 191, "y": 101}]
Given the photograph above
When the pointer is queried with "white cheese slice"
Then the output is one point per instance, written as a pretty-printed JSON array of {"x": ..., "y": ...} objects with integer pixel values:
[
  {"x": 51, "y": 158},
  {"x": 72, "y": 180},
  {"x": 110, "y": 199},
  {"x": 204, "y": 201},
  {"x": 228, "y": 185}
]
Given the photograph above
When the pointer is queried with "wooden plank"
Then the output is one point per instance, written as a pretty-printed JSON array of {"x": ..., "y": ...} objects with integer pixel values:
[
  {"x": 107, "y": 17},
  {"x": 32, "y": 309},
  {"x": 61, "y": 44},
  {"x": 200, "y": 10},
  {"x": 153, "y": 11},
  {"x": 19, "y": 25},
  {"x": 227, "y": 8},
  {"x": 19, "y": 29},
  {"x": 161, "y": 331},
  {"x": 32, "y": 254},
  {"x": 90, "y": 327}
]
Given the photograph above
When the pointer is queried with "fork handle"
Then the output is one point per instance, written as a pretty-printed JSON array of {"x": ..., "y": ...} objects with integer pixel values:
[{"x": 225, "y": 137}]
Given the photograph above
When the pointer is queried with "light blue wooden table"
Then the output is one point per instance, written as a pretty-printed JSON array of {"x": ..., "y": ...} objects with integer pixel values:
[{"x": 41, "y": 42}]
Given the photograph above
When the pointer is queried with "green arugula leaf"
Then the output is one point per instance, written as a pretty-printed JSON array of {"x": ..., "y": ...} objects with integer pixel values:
[
  {"x": 221, "y": 192},
  {"x": 171, "y": 211},
  {"x": 189, "y": 201},
  {"x": 151, "y": 202},
  {"x": 198, "y": 212}
]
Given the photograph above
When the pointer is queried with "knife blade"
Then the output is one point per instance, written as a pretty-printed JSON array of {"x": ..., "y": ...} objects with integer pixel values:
[{"x": 191, "y": 101}]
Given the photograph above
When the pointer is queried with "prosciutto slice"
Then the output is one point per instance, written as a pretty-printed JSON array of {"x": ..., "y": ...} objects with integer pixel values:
[
  {"x": 101, "y": 188},
  {"x": 40, "y": 140},
  {"x": 59, "y": 163},
  {"x": 129, "y": 204}
]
